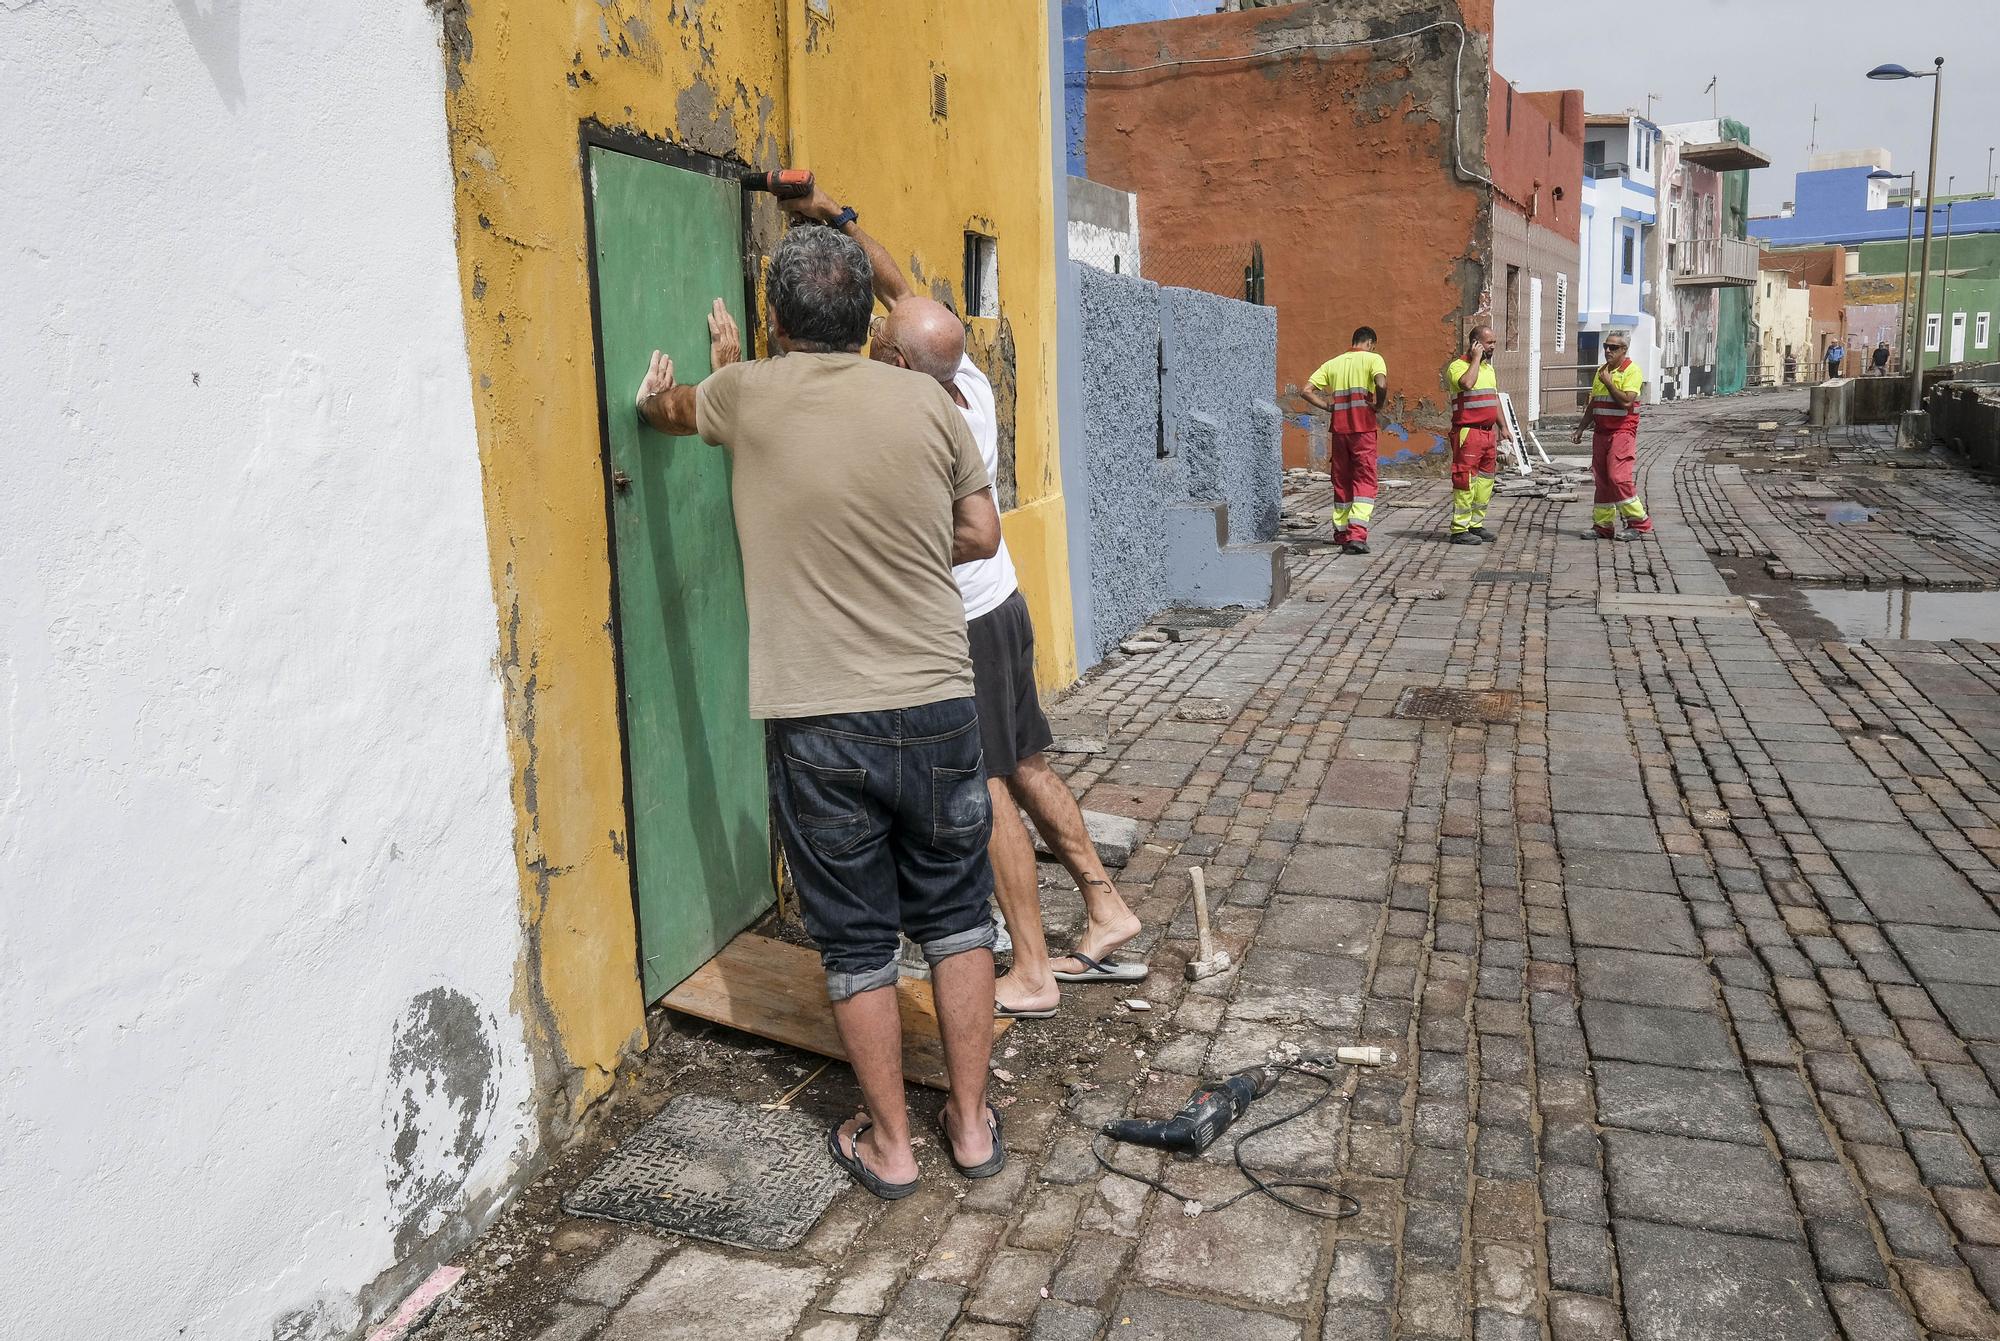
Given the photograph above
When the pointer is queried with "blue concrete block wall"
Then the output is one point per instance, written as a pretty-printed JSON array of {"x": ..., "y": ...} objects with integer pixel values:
[
  {"x": 1213, "y": 403},
  {"x": 1121, "y": 405},
  {"x": 1222, "y": 363}
]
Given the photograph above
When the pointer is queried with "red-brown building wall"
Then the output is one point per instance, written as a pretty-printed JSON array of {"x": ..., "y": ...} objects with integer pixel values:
[{"x": 1339, "y": 163}]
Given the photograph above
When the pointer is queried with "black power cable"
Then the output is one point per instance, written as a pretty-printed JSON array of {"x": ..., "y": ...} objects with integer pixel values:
[{"x": 1269, "y": 1188}]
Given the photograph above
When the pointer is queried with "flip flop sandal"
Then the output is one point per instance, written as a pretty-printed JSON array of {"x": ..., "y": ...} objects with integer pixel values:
[
  {"x": 851, "y": 1161},
  {"x": 993, "y": 1163},
  {"x": 1104, "y": 970},
  {"x": 1003, "y": 1011}
]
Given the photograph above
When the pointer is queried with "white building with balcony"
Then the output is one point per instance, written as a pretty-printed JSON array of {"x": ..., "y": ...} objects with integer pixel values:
[
  {"x": 1661, "y": 244},
  {"x": 1620, "y": 216}
]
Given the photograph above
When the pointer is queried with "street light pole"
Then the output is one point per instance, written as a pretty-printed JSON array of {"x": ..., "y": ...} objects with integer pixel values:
[
  {"x": 1936, "y": 76},
  {"x": 1924, "y": 279}
]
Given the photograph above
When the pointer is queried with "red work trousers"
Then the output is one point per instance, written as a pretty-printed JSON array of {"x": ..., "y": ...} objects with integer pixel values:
[
  {"x": 1475, "y": 450},
  {"x": 1354, "y": 469},
  {"x": 1614, "y": 459}
]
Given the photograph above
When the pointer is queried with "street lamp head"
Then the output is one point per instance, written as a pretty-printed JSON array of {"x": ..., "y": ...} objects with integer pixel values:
[
  {"x": 1892, "y": 72},
  {"x": 1884, "y": 175}
]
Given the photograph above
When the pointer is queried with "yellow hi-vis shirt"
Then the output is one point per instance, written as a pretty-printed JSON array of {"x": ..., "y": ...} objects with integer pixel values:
[
  {"x": 1481, "y": 405},
  {"x": 1606, "y": 414},
  {"x": 1348, "y": 380}
]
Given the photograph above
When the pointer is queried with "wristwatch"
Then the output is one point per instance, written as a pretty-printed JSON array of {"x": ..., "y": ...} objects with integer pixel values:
[{"x": 844, "y": 218}]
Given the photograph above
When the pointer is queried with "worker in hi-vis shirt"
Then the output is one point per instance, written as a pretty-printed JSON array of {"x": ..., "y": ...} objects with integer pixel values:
[
  {"x": 1613, "y": 418},
  {"x": 1351, "y": 388},
  {"x": 1476, "y": 432}
]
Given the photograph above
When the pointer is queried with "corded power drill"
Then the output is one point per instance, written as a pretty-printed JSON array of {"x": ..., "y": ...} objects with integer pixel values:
[
  {"x": 1207, "y": 1114},
  {"x": 784, "y": 183},
  {"x": 1211, "y": 1109}
]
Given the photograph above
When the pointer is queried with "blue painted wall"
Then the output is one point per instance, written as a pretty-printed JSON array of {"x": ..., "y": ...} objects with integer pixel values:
[{"x": 1832, "y": 206}]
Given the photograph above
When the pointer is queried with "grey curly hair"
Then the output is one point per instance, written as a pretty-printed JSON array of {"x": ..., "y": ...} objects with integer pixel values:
[{"x": 822, "y": 290}]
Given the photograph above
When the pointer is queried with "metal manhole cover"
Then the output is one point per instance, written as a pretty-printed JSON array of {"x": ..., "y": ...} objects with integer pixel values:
[
  {"x": 1459, "y": 705},
  {"x": 1202, "y": 619},
  {"x": 717, "y": 1170},
  {"x": 1510, "y": 575}
]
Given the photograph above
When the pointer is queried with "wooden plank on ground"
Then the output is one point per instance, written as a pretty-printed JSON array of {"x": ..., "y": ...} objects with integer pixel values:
[{"x": 778, "y": 991}]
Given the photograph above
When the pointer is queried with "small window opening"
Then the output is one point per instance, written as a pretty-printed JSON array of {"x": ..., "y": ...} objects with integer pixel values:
[{"x": 982, "y": 276}]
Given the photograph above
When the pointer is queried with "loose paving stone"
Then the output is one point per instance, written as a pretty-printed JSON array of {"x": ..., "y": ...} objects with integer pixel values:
[
  {"x": 1645, "y": 979},
  {"x": 1906, "y": 887},
  {"x": 1148, "y": 1315},
  {"x": 1338, "y": 873},
  {"x": 1867, "y": 804},
  {"x": 1947, "y": 1301},
  {"x": 1693, "y": 1285},
  {"x": 1631, "y": 920},
  {"x": 1257, "y": 1251},
  {"x": 1326, "y": 926},
  {"x": 1698, "y": 1184},
  {"x": 1654, "y": 1035},
  {"x": 1973, "y": 1011},
  {"x": 699, "y": 1294},
  {"x": 1677, "y": 1102},
  {"x": 1872, "y": 1313},
  {"x": 611, "y": 1277},
  {"x": 1947, "y": 954}
]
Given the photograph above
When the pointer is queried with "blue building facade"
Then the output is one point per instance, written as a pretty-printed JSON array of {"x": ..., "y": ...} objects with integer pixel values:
[{"x": 1840, "y": 205}]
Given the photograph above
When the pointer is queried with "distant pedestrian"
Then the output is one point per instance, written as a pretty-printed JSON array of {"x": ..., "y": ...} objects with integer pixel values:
[
  {"x": 857, "y": 486},
  {"x": 1881, "y": 358},
  {"x": 1352, "y": 388},
  {"x": 1613, "y": 417},
  {"x": 1791, "y": 366},
  {"x": 1476, "y": 429},
  {"x": 1835, "y": 352}
]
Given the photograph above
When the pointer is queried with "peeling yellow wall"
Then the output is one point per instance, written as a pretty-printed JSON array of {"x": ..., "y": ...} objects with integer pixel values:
[{"x": 764, "y": 82}]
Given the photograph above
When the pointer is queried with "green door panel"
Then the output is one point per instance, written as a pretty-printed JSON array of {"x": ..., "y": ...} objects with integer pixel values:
[{"x": 668, "y": 242}]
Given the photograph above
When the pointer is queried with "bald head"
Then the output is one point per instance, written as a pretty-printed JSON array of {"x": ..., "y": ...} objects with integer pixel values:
[{"x": 929, "y": 336}]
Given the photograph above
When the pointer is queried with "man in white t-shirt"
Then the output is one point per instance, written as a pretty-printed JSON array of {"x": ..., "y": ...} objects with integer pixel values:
[{"x": 926, "y": 336}]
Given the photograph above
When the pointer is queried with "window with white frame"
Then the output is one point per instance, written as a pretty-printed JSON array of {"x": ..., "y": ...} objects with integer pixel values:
[
  {"x": 1562, "y": 313},
  {"x": 1933, "y": 332},
  {"x": 1628, "y": 255},
  {"x": 1982, "y": 331}
]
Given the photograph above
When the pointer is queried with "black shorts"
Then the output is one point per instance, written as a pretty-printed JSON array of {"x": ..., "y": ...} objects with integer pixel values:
[
  {"x": 884, "y": 819},
  {"x": 1011, "y": 723}
]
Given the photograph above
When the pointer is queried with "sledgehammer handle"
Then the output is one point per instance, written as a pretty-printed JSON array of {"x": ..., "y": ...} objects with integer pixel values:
[{"x": 1201, "y": 912}]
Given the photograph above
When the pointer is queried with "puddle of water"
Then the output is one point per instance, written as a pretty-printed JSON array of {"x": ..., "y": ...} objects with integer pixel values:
[
  {"x": 1899, "y": 612},
  {"x": 1849, "y": 514}
]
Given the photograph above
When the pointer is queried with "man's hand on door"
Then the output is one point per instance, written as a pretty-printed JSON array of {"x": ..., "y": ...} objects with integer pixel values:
[{"x": 725, "y": 342}]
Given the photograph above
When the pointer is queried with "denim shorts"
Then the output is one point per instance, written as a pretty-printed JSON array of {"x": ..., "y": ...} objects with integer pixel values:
[{"x": 884, "y": 819}]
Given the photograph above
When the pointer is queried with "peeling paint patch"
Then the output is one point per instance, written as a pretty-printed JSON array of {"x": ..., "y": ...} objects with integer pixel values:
[
  {"x": 443, "y": 1087},
  {"x": 703, "y": 121},
  {"x": 455, "y": 34}
]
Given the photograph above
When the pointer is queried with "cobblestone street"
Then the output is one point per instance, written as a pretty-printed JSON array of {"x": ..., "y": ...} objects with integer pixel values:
[{"x": 1689, "y": 952}]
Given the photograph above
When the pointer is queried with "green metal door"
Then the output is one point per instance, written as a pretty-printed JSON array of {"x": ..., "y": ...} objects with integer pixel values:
[{"x": 668, "y": 242}]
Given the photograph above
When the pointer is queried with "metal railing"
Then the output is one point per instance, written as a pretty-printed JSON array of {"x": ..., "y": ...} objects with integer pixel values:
[{"x": 1713, "y": 261}]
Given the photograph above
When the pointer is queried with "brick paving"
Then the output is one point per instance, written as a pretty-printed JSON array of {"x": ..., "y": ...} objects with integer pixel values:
[{"x": 1693, "y": 969}]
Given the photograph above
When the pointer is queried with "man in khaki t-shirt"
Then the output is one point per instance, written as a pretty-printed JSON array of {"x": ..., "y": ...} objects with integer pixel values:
[{"x": 857, "y": 486}]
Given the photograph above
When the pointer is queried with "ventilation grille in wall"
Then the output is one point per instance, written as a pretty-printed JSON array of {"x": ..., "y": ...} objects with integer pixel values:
[{"x": 940, "y": 95}]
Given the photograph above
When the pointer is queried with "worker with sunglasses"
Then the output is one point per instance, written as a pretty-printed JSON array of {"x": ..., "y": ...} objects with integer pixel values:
[{"x": 1613, "y": 419}]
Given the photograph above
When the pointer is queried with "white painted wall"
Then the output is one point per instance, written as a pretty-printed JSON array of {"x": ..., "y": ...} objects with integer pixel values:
[{"x": 254, "y": 794}]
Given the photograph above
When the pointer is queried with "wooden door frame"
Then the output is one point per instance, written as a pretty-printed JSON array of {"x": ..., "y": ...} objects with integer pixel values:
[{"x": 592, "y": 134}]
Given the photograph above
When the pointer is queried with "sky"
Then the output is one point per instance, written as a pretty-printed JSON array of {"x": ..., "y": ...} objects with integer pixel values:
[{"x": 1776, "y": 60}]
